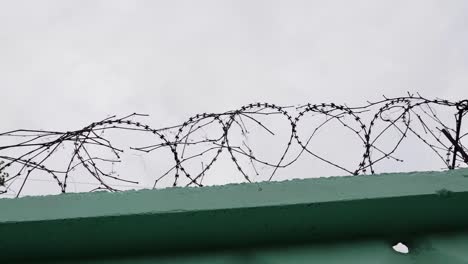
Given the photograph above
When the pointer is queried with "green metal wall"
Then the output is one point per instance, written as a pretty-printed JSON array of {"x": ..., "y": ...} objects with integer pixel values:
[
  {"x": 444, "y": 248},
  {"x": 327, "y": 220}
]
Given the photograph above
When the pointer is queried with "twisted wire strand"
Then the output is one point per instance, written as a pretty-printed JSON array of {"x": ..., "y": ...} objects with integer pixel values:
[{"x": 409, "y": 115}]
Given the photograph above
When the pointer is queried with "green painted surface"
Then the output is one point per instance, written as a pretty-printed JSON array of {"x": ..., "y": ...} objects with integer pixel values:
[
  {"x": 243, "y": 221},
  {"x": 441, "y": 249},
  {"x": 367, "y": 252}
]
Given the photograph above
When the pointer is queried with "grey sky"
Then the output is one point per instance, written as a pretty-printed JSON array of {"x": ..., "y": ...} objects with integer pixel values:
[{"x": 64, "y": 64}]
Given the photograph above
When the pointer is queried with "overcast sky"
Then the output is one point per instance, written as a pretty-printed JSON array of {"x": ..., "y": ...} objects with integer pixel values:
[{"x": 64, "y": 64}]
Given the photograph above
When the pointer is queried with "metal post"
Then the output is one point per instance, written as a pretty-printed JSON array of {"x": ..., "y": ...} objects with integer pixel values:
[{"x": 457, "y": 138}]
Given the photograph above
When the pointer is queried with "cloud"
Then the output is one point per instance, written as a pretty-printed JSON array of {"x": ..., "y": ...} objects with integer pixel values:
[{"x": 66, "y": 63}]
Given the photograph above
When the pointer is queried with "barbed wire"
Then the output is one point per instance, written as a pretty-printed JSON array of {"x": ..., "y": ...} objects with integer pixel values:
[{"x": 213, "y": 136}]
